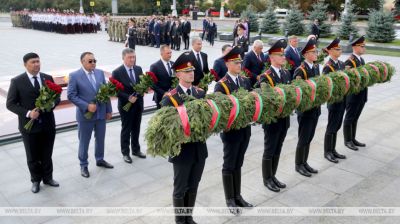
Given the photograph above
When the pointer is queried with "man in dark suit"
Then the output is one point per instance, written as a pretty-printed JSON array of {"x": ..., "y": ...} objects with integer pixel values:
[
  {"x": 307, "y": 120},
  {"x": 157, "y": 33},
  {"x": 219, "y": 64},
  {"x": 354, "y": 102},
  {"x": 275, "y": 132},
  {"x": 163, "y": 70},
  {"x": 199, "y": 60},
  {"x": 128, "y": 75},
  {"x": 39, "y": 141},
  {"x": 151, "y": 31},
  {"x": 186, "y": 28},
  {"x": 254, "y": 61},
  {"x": 235, "y": 141},
  {"x": 241, "y": 41},
  {"x": 205, "y": 27},
  {"x": 82, "y": 89},
  {"x": 189, "y": 164},
  {"x": 292, "y": 54},
  {"x": 315, "y": 30}
]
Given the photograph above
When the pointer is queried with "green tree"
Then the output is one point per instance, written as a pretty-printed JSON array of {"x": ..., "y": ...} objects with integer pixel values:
[
  {"x": 320, "y": 12},
  {"x": 269, "y": 23},
  {"x": 252, "y": 17},
  {"x": 237, "y": 5},
  {"x": 381, "y": 25},
  {"x": 294, "y": 22},
  {"x": 397, "y": 7},
  {"x": 347, "y": 27}
]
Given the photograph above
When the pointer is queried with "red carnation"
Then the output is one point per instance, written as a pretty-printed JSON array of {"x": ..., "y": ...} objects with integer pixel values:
[
  {"x": 153, "y": 76},
  {"x": 291, "y": 62},
  {"x": 248, "y": 72},
  {"x": 54, "y": 87},
  {"x": 214, "y": 73}
]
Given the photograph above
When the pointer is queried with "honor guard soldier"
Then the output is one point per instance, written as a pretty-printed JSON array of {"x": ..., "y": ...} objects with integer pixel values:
[
  {"x": 235, "y": 141},
  {"x": 274, "y": 133},
  {"x": 308, "y": 119},
  {"x": 354, "y": 102},
  {"x": 189, "y": 164},
  {"x": 336, "y": 110}
]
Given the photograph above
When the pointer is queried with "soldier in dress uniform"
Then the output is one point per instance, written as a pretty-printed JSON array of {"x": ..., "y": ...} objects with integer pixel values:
[
  {"x": 354, "y": 102},
  {"x": 131, "y": 35},
  {"x": 274, "y": 133},
  {"x": 189, "y": 164},
  {"x": 241, "y": 41},
  {"x": 235, "y": 141},
  {"x": 307, "y": 120},
  {"x": 336, "y": 110}
]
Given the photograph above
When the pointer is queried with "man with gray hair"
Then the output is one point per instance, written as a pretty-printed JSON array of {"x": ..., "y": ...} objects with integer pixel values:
[
  {"x": 199, "y": 60},
  {"x": 254, "y": 61},
  {"x": 128, "y": 74},
  {"x": 292, "y": 54}
]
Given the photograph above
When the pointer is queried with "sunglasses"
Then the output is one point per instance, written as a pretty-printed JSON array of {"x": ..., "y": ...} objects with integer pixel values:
[
  {"x": 337, "y": 49},
  {"x": 94, "y": 61}
]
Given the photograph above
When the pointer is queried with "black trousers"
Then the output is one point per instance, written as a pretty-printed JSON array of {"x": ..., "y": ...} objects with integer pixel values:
[
  {"x": 353, "y": 112},
  {"x": 335, "y": 118},
  {"x": 274, "y": 136},
  {"x": 130, "y": 123},
  {"x": 307, "y": 126},
  {"x": 186, "y": 40},
  {"x": 235, "y": 146},
  {"x": 39, "y": 149},
  {"x": 187, "y": 177}
]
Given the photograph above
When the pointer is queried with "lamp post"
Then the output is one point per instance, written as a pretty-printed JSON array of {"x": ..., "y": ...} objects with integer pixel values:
[
  {"x": 80, "y": 6},
  {"x": 174, "y": 12}
]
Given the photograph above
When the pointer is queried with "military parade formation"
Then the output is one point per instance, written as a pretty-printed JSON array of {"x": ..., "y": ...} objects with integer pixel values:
[
  {"x": 51, "y": 20},
  {"x": 167, "y": 33}
]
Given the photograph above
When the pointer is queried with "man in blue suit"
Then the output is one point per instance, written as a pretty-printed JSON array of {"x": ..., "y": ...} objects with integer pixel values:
[
  {"x": 254, "y": 61},
  {"x": 292, "y": 54},
  {"x": 157, "y": 32},
  {"x": 219, "y": 64},
  {"x": 82, "y": 89}
]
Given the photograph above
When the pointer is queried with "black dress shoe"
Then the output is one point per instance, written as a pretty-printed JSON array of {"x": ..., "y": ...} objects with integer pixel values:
[
  {"x": 302, "y": 170},
  {"x": 270, "y": 184},
  {"x": 104, "y": 164},
  {"x": 127, "y": 159},
  {"x": 242, "y": 203},
  {"x": 351, "y": 145},
  {"x": 52, "y": 183},
  {"x": 35, "y": 187},
  {"x": 309, "y": 168},
  {"x": 139, "y": 154},
  {"x": 337, "y": 155},
  {"x": 330, "y": 157},
  {"x": 85, "y": 172},
  {"x": 278, "y": 183},
  {"x": 357, "y": 143}
]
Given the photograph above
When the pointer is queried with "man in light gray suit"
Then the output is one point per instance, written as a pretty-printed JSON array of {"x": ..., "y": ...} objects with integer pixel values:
[{"x": 82, "y": 89}]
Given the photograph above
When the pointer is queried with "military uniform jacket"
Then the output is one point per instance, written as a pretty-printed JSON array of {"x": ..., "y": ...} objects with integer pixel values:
[
  {"x": 329, "y": 67},
  {"x": 305, "y": 72},
  {"x": 271, "y": 78},
  {"x": 193, "y": 151},
  {"x": 362, "y": 96},
  {"x": 226, "y": 85}
]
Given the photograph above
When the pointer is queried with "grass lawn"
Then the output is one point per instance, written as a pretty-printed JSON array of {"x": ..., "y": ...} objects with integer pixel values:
[{"x": 384, "y": 53}]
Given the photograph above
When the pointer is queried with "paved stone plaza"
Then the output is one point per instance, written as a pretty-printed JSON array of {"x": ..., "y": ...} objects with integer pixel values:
[{"x": 368, "y": 177}]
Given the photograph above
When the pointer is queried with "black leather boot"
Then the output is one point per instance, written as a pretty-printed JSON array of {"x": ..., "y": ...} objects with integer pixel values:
[
  {"x": 308, "y": 167},
  {"x": 354, "y": 129},
  {"x": 334, "y": 152},
  {"x": 227, "y": 181},
  {"x": 275, "y": 163},
  {"x": 300, "y": 162},
  {"x": 190, "y": 200},
  {"x": 348, "y": 137},
  {"x": 328, "y": 150},
  {"x": 179, "y": 205},
  {"x": 237, "y": 180},
  {"x": 267, "y": 175}
]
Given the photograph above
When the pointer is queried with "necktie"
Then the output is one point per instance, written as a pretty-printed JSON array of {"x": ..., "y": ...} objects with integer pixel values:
[
  {"x": 198, "y": 59},
  {"x": 362, "y": 61},
  {"x": 237, "y": 82},
  {"x": 36, "y": 84},
  {"x": 131, "y": 76},
  {"x": 280, "y": 73},
  {"x": 189, "y": 92},
  {"x": 169, "y": 69},
  {"x": 92, "y": 81},
  {"x": 297, "y": 53},
  {"x": 259, "y": 58}
]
